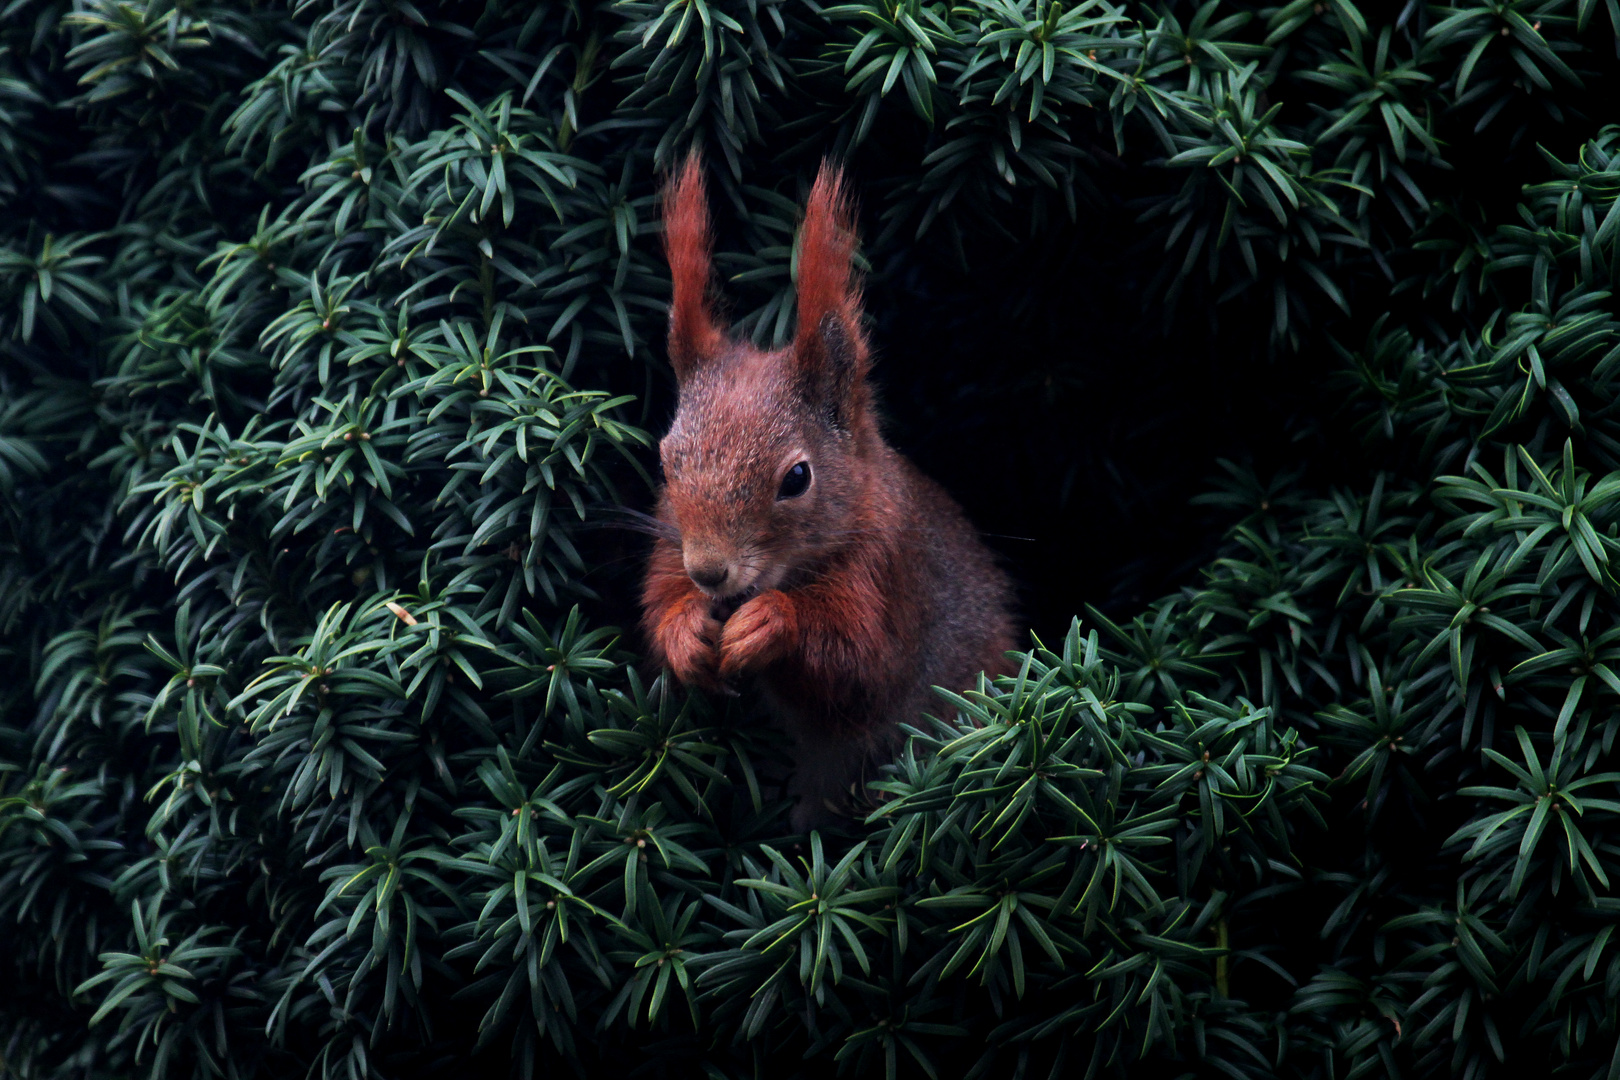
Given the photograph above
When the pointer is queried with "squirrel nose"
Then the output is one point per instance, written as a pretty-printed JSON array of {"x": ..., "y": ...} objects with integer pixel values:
[{"x": 709, "y": 575}]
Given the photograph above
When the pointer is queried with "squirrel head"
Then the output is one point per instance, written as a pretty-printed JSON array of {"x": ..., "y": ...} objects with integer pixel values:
[{"x": 771, "y": 462}]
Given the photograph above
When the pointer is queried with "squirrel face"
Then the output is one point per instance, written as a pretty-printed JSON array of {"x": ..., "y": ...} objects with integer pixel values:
[
  {"x": 760, "y": 479},
  {"x": 767, "y": 464}
]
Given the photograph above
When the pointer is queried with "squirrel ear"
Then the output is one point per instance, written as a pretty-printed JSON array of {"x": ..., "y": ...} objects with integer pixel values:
[
  {"x": 830, "y": 348},
  {"x": 694, "y": 334},
  {"x": 839, "y": 369}
]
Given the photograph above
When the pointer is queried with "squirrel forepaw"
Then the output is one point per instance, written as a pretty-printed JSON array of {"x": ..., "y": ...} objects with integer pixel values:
[
  {"x": 758, "y": 634},
  {"x": 689, "y": 640}
]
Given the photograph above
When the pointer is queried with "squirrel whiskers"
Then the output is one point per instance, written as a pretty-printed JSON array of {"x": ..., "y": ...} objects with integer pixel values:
[{"x": 797, "y": 548}]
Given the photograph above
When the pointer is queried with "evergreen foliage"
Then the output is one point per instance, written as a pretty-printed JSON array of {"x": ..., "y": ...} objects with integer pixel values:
[{"x": 330, "y": 344}]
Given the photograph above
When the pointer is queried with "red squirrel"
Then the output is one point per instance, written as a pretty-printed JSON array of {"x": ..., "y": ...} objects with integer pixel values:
[{"x": 799, "y": 549}]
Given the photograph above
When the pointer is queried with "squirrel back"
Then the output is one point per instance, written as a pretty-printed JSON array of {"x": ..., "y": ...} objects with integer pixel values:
[{"x": 811, "y": 556}]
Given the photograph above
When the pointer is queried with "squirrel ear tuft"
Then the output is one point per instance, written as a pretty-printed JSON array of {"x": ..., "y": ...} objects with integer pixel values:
[
  {"x": 830, "y": 347},
  {"x": 694, "y": 334}
]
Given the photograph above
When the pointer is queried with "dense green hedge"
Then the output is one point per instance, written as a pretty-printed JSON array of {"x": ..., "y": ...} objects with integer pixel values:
[{"x": 329, "y": 343}]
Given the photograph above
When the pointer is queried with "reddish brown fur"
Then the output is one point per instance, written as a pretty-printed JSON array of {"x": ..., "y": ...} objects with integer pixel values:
[
  {"x": 847, "y": 602},
  {"x": 693, "y": 331},
  {"x": 826, "y": 281}
]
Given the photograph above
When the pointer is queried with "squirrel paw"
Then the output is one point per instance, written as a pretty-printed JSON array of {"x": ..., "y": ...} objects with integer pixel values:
[
  {"x": 688, "y": 638},
  {"x": 759, "y": 633}
]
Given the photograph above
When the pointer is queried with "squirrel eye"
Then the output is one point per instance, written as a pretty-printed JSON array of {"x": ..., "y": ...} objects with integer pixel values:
[{"x": 796, "y": 482}]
